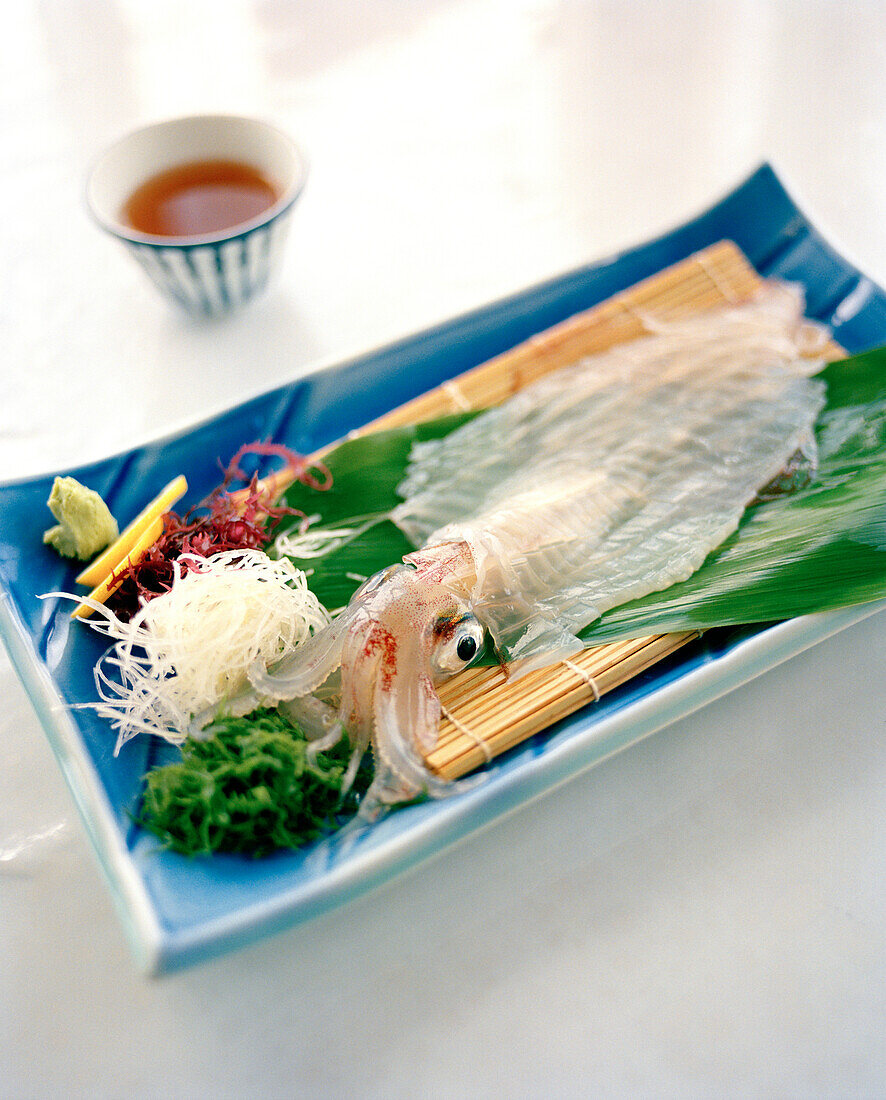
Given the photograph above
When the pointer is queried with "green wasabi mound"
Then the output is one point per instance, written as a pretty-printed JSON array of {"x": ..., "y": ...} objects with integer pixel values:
[{"x": 85, "y": 524}]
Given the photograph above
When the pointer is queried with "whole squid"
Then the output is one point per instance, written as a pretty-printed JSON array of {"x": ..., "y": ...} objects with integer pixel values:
[{"x": 599, "y": 483}]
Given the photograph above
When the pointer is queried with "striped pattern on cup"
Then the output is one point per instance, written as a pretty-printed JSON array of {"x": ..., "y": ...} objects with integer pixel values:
[{"x": 214, "y": 278}]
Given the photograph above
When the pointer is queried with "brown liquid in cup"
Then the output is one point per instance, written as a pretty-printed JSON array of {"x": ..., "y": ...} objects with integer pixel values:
[{"x": 201, "y": 197}]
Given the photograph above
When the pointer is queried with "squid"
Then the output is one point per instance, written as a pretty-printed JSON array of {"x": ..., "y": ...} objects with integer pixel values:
[{"x": 597, "y": 484}]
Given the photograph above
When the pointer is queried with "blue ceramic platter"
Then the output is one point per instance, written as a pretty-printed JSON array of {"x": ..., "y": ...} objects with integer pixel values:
[{"x": 178, "y": 911}]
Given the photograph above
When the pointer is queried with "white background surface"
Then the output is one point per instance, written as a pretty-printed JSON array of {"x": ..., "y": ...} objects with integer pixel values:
[{"x": 702, "y": 915}]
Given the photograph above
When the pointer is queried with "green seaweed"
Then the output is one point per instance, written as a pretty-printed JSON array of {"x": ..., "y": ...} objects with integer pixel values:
[{"x": 249, "y": 788}]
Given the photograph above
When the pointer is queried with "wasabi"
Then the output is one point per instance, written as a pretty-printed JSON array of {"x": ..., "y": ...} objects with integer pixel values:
[{"x": 85, "y": 524}]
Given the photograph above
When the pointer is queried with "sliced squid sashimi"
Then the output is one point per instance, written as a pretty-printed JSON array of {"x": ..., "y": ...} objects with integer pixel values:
[{"x": 617, "y": 476}]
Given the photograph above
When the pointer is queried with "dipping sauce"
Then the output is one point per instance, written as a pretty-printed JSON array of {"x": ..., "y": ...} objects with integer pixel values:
[{"x": 205, "y": 196}]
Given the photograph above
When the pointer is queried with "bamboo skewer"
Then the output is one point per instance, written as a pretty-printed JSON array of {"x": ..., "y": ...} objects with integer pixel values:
[{"x": 485, "y": 713}]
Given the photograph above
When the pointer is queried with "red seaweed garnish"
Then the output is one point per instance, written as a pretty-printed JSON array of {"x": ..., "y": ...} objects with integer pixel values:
[
  {"x": 228, "y": 519},
  {"x": 311, "y": 473}
]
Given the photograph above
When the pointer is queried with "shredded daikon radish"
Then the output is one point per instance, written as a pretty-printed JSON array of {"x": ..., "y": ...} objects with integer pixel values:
[
  {"x": 309, "y": 541},
  {"x": 189, "y": 649}
]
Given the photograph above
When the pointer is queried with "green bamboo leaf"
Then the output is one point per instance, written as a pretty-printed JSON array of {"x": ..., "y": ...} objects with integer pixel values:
[
  {"x": 365, "y": 475},
  {"x": 820, "y": 548}
]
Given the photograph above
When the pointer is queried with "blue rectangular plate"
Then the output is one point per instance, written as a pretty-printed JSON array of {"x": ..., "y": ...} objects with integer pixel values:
[{"x": 179, "y": 911}]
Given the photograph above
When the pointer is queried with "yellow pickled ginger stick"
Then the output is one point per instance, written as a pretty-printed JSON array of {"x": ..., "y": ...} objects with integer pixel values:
[{"x": 108, "y": 562}]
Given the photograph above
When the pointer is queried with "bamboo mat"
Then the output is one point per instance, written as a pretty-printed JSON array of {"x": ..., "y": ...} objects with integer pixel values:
[
  {"x": 485, "y": 714},
  {"x": 716, "y": 275}
]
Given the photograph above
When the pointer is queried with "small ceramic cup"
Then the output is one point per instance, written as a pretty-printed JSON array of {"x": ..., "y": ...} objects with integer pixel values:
[{"x": 213, "y": 273}]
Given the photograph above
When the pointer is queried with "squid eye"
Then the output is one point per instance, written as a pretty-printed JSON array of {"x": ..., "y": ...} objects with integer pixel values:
[{"x": 459, "y": 642}]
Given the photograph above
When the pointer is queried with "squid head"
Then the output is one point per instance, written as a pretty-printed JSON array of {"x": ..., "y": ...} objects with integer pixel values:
[{"x": 401, "y": 635}]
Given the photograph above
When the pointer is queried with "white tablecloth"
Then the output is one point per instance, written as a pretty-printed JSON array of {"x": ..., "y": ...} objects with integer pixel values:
[{"x": 702, "y": 915}]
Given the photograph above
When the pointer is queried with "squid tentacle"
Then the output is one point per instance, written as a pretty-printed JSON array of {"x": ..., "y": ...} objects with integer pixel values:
[{"x": 305, "y": 670}]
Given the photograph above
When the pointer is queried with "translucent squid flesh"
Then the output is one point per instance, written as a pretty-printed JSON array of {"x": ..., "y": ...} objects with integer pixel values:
[
  {"x": 617, "y": 476},
  {"x": 599, "y": 483}
]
